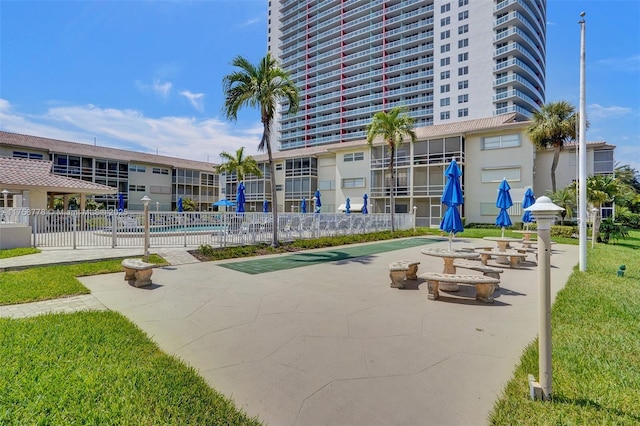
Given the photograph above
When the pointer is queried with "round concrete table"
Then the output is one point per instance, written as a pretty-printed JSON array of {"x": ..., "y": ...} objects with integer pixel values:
[
  {"x": 503, "y": 245},
  {"x": 448, "y": 258}
]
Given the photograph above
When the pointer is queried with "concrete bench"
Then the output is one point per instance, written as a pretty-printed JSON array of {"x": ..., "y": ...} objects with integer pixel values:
[
  {"x": 489, "y": 271},
  {"x": 402, "y": 270},
  {"x": 485, "y": 285},
  {"x": 513, "y": 256},
  {"x": 137, "y": 272}
]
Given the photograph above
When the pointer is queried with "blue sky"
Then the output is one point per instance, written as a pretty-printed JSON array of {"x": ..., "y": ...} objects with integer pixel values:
[{"x": 147, "y": 75}]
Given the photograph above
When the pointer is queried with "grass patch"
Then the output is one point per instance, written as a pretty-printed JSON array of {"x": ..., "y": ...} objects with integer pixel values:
[
  {"x": 51, "y": 282},
  {"x": 98, "y": 368},
  {"x": 595, "y": 348},
  {"x": 21, "y": 251}
]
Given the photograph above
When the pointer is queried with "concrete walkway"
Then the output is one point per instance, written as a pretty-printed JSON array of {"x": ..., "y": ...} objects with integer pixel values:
[{"x": 333, "y": 344}]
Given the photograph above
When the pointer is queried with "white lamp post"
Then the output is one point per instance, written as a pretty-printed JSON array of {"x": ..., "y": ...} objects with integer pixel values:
[
  {"x": 415, "y": 209},
  {"x": 5, "y": 193},
  {"x": 544, "y": 213},
  {"x": 594, "y": 217},
  {"x": 146, "y": 201},
  {"x": 582, "y": 153}
]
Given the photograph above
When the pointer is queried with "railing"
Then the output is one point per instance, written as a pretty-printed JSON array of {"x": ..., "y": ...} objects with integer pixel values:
[{"x": 111, "y": 228}]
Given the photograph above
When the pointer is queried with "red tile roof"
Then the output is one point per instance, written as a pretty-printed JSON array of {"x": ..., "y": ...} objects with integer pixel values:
[{"x": 23, "y": 174}]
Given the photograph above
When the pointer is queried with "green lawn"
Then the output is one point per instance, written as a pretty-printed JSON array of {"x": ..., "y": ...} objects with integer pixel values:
[
  {"x": 6, "y": 253},
  {"x": 98, "y": 368},
  {"x": 595, "y": 348},
  {"x": 50, "y": 282}
]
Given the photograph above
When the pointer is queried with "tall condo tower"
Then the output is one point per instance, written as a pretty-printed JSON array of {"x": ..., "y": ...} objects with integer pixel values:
[{"x": 444, "y": 60}]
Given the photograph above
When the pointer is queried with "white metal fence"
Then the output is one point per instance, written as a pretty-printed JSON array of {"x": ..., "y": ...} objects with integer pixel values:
[{"x": 110, "y": 228}]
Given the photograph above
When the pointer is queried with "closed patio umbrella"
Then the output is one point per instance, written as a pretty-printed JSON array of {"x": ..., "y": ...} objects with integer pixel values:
[
  {"x": 347, "y": 207},
  {"x": 452, "y": 198},
  {"x": 303, "y": 206},
  {"x": 528, "y": 200},
  {"x": 503, "y": 202},
  {"x": 240, "y": 198},
  {"x": 318, "y": 201},
  {"x": 265, "y": 206},
  {"x": 364, "y": 206},
  {"x": 180, "y": 205}
]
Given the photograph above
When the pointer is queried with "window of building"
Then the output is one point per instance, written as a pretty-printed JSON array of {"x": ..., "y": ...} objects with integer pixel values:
[
  {"x": 463, "y": 43},
  {"x": 278, "y": 187},
  {"x": 462, "y": 29},
  {"x": 137, "y": 188},
  {"x": 444, "y": 115},
  {"x": 326, "y": 185},
  {"x": 463, "y": 56},
  {"x": 137, "y": 168},
  {"x": 464, "y": 84},
  {"x": 502, "y": 141},
  {"x": 445, "y": 21},
  {"x": 603, "y": 162},
  {"x": 463, "y": 15},
  {"x": 159, "y": 171},
  {"x": 445, "y": 88},
  {"x": 445, "y": 74},
  {"x": 445, "y": 8},
  {"x": 463, "y": 3},
  {"x": 354, "y": 156},
  {"x": 444, "y": 101},
  {"x": 279, "y": 166},
  {"x": 29, "y": 155},
  {"x": 463, "y": 70},
  {"x": 445, "y": 48},
  {"x": 496, "y": 174},
  {"x": 445, "y": 61},
  {"x": 353, "y": 183},
  {"x": 463, "y": 98},
  {"x": 445, "y": 35},
  {"x": 463, "y": 112}
]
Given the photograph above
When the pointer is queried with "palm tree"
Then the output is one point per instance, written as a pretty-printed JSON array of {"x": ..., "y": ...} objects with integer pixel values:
[
  {"x": 238, "y": 164},
  {"x": 600, "y": 189},
  {"x": 261, "y": 86},
  {"x": 565, "y": 198},
  {"x": 393, "y": 127},
  {"x": 552, "y": 127}
]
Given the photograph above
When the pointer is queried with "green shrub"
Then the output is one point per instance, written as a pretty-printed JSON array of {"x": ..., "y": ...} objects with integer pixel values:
[
  {"x": 563, "y": 231},
  {"x": 610, "y": 230}
]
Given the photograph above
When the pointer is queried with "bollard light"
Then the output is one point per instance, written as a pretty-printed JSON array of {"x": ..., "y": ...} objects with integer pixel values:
[
  {"x": 544, "y": 213},
  {"x": 621, "y": 270},
  {"x": 5, "y": 193},
  {"x": 146, "y": 201}
]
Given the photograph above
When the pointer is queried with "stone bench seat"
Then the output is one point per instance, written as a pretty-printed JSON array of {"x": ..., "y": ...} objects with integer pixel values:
[
  {"x": 137, "y": 272},
  {"x": 514, "y": 257},
  {"x": 402, "y": 270},
  {"x": 489, "y": 271},
  {"x": 485, "y": 285}
]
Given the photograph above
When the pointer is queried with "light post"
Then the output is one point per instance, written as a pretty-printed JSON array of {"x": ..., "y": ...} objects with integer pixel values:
[
  {"x": 5, "y": 193},
  {"x": 415, "y": 209},
  {"x": 582, "y": 153},
  {"x": 594, "y": 217},
  {"x": 544, "y": 213},
  {"x": 146, "y": 201}
]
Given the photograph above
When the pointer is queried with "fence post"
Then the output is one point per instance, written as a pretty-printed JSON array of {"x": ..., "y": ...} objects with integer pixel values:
[{"x": 74, "y": 223}]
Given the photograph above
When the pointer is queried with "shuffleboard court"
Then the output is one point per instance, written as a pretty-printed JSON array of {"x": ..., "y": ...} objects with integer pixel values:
[{"x": 258, "y": 266}]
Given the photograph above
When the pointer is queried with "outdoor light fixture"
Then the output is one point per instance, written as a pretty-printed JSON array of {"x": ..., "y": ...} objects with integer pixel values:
[
  {"x": 544, "y": 213},
  {"x": 4, "y": 195},
  {"x": 146, "y": 201}
]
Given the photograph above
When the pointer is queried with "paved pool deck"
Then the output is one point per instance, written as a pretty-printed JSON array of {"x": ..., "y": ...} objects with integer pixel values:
[{"x": 330, "y": 343}]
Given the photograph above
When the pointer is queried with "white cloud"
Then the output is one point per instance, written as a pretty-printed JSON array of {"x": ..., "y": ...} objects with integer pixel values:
[
  {"x": 182, "y": 137},
  {"x": 597, "y": 111},
  {"x": 157, "y": 87},
  {"x": 629, "y": 63},
  {"x": 250, "y": 22},
  {"x": 196, "y": 99}
]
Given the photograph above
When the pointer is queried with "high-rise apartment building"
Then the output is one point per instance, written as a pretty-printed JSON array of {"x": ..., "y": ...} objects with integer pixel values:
[{"x": 444, "y": 60}]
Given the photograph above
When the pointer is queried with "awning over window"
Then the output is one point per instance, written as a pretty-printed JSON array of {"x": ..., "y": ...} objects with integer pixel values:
[{"x": 354, "y": 207}]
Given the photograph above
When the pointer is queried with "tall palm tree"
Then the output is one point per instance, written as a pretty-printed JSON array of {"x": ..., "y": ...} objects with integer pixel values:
[
  {"x": 393, "y": 127},
  {"x": 261, "y": 86},
  {"x": 552, "y": 127},
  {"x": 238, "y": 164}
]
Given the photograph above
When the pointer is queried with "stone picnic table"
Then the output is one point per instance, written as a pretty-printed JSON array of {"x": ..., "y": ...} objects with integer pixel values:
[
  {"x": 448, "y": 257},
  {"x": 503, "y": 246}
]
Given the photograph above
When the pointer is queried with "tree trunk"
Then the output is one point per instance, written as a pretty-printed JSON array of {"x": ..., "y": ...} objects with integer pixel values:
[
  {"x": 274, "y": 199},
  {"x": 393, "y": 186},
  {"x": 554, "y": 165}
]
